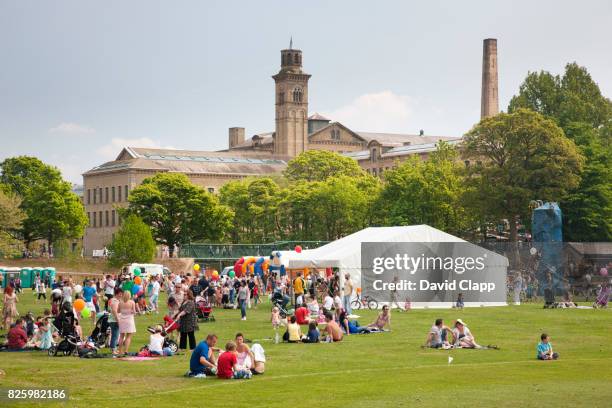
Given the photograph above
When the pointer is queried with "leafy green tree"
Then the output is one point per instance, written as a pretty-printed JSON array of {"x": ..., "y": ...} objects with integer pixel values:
[
  {"x": 178, "y": 211},
  {"x": 517, "y": 158},
  {"x": 426, "y": 192},
  {"x": 11, "y": 218},
  {"x": 575, "y": 102},
  {"x": 254, "y": 202},
  {"x": 319, "y": 165},
  {"x": 53, "y": 212},
  {"x": 132, "y": 243}
]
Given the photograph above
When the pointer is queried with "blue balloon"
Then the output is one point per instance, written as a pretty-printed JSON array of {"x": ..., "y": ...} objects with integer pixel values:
[{"x": 135, "y": 289}]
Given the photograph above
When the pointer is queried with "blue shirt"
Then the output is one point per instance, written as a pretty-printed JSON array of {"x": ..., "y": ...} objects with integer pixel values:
[
  {"x": 195, "y": 366},
  {"x": 313, "y": 336},
  {"x": 88, "y": 292},
  {"x": 543, "y": 348}
]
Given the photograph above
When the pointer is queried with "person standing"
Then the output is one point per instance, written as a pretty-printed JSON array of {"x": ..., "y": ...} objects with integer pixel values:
[
  {"x": 154, "y": 294},
  {"x": 9, "y": 309},
  {"x": 109, "y": 290},
  {"x": 518, "y": 288},
  {"x": 127, "y": 327},
  {"x": 243, "y": 298},
  {"x": 41, "y": 290},
  {"x": 113, "y": 319},
  {"x": 188, "y": 321},
  {"x": 347, "y": 293},
  {"x": 298, "y": 288}
]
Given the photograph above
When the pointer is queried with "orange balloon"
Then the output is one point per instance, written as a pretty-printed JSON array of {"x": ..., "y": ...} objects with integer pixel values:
[
  {"x": 79, "y": 305},
  {"x": 358, "y": 290},
  {"x": 137, "y": 280}
]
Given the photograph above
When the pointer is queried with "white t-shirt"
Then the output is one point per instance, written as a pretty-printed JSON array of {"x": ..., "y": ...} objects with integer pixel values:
[
  {"x": 156, "y": 343},
  {"x": 109, "y": 287},
  {"x": 466, "y": 333},
  {"x": 437, "y": 332},
  {"x": 328, "y": 302},
  {"x": 155, "y": 288},
  {"x": 337, "y": 302}
]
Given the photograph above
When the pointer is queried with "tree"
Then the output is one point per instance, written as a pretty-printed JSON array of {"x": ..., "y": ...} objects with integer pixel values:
[
  {"x": 11, "y": 218},
  {"x": 575, "y": 102},
  {"x": 319, "y": 165},
  {"x": 132, "y": 243},
  {"x": 178, "y": 211},
  {"x": 254, "y": 202},
  {"x": 426, "y": 192},
  {"x": 517, "y": 158},
  {"x": 52, "y": 210}
]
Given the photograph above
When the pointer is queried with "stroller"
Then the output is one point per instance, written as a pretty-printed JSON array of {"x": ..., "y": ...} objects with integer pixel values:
[
  {"x": 70, "y": 344},
  {"x": 101, "y": 333},
  {"x": 204, "y": 309},
  {"x": 279, "y": 300},
  {"x": 169, "y": 326}
]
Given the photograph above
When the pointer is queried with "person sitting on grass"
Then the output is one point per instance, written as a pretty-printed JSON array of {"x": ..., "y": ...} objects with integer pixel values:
[
  {"x": 302, "y": 314},
  {"x": 313, "y": 334},
  {"x": 343, "y": 321},
  {"x": 383, "y": 319},
  {"x": 438, "y": 336},
  {"x": 227, "y": 365},
  {"x": 463, "y": 336},
  {"x": 332, "y": 329},
  {"x": 294, "y": 331},
  {"x": 602, "y": 296},
  {"x": 545, "y": 351},
  {"x": 202, "y": 361},
  {"x": 245, "y": 356},
  {"x": 17, "y": 337},
  {"x": 156, "y": 344}
]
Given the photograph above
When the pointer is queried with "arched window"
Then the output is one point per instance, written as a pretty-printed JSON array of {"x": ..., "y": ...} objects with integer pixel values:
[
  {"x": 283, "y": 59},
  {"x": 296, "y": 58},
  {"x": 297, "y": 95}
]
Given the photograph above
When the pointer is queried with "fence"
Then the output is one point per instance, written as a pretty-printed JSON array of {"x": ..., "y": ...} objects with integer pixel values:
[{"x": 234, "y": 251}]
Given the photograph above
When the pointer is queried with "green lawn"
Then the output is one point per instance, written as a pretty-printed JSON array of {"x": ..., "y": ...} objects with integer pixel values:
[{"x": 386, "y": 370}]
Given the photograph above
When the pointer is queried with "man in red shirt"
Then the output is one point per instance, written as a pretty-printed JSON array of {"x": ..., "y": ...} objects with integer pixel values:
[
  {"x": 17, "y": 337},
  {"x": 302, "y": 314},
  {"x": 227, "y": 364}
]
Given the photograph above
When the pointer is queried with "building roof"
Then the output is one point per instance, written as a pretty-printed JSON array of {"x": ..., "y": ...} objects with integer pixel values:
[
  {"x": 399, "y": 139},
  {"x": 191, "y": 162},
  {"x": 264, "y": 139},
  {"x": 402, "y": 150},
  {"x": 317, "y": 116}
]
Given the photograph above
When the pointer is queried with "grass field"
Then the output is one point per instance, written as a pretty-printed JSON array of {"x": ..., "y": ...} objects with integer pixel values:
[{"x": 386, "y": 370}]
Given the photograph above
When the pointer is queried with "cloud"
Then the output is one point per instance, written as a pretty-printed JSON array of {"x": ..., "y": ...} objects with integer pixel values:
[
  {"x": 378, "y": 112},
  {"x": 71, "y": 128},
  {"x": 111, "y": 150}
]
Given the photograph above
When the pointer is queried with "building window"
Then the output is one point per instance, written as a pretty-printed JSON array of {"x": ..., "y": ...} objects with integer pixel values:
[
  {"x": 297, "y": 95},
  {"x": 88, "y": 196},
  {"x": 88, "y": 219},
  {"x": 211, "y": 189},
  {"x": 126, "y": 193},
  {"x": 94, "y": 219},
  {"x": 100, "y": 198},
  {"x": 374, "y": 154},
  {"x": 100, "y": 219},
  {"x": 113, "y": 193},
  {"x": 106, "y": 195},
  {"x": 335, "y": 134},
  {"x": 94, "y": 195},
  {"x": 119, "y": 193},
  {"x": 118, "y": 219},
  {"x": 113, "y": 218},
  {"x": 106, "y": 218}
]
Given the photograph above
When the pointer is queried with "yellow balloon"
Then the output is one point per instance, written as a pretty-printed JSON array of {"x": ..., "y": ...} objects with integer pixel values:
[{"x": 196, "y": 267}]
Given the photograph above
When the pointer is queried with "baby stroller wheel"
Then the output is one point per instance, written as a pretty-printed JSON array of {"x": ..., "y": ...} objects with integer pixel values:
[
  {"x": 52, "y": 352},
  {"x": 171, "y": 344}
]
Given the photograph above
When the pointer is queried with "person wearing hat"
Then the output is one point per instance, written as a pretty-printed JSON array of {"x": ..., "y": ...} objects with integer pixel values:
[
  {"x": 156, "y": 343},
  {"x": 463, "y": 336}
]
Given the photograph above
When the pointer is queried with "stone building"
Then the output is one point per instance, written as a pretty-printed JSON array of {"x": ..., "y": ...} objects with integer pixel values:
[{"x": 106, "y": 187}]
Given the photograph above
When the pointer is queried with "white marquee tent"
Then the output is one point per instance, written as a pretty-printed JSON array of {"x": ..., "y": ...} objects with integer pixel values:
[{"x": 345, "y": 254}]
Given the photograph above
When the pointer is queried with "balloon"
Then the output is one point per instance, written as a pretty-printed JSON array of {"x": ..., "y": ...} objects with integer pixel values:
[
  {"x": 533, "y": 251},
  {"x": 298, "y": 249},
  {"x": 79, "y": 304},
  {"x": 603, "y": 271},
  {"x": 138, "y": 280},
  {"x": 135, "y": 289},
  {"x": 137, "y": 272},
  {"x": 232, "y": 274},
  {"x": 78, "y": 289},
  {"x": 196, "y": 267},
  {"x": 215, "y": 275},
  {"x": 86, "y": 313}
]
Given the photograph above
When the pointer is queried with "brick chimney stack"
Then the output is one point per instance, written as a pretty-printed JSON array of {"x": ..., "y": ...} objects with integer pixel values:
[{"x": 489, "y": 103}]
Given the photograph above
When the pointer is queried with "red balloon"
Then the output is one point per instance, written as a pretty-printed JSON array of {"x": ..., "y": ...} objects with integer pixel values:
[{"x": 298, "y": 249}]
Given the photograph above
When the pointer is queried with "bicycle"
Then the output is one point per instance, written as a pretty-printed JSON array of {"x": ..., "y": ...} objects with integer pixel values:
[{"x": 363, "y": 302}]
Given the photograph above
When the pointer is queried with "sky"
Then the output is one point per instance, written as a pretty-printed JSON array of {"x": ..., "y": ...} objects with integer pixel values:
[{"x": 81, "y": 79}]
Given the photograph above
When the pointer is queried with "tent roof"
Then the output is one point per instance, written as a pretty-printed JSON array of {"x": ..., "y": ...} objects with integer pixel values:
[{"x": 346, "y": 252}]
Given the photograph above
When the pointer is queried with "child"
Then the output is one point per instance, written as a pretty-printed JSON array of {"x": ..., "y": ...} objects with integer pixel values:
[
  {"x": 276, "y": 322},
  {"x": 545, "y": 351},
  {"x": 294, "y": 331},
  {"x": 156, "y": 344},
  {"x": 313, "y": 334},
  {"x": 227, "y": 364}
]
